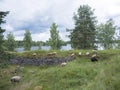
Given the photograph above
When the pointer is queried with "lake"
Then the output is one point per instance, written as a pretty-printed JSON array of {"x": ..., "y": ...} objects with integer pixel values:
[{"x": 67, "y": 47}]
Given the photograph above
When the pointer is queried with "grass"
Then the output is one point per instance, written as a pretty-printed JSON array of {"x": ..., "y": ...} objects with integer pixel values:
[{"x": 80, "y": 74}]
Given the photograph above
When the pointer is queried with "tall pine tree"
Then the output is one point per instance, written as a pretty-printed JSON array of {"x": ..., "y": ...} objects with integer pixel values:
[
  {"x": 2, "y": 16},
  {"x": 83, "y": 35}
]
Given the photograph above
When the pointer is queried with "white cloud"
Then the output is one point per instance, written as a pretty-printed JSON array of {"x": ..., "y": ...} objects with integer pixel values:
[
  {"x": 25, "y": 9},
  {"x": 8, "y": 27},
  {"x": 19, "y": 33},
  {"x": 19, "y": 38},
  {"x": 23, "y": 12},
  {"x": 41, "y": 36}
]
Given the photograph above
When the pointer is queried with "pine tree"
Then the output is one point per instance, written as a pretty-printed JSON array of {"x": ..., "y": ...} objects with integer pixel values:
[
  {"x": 83, "y": 35},
  {"x": 2, "y": 16},
  {"x": 54, "y": 40},
  {"x": 27, "y": 40}
]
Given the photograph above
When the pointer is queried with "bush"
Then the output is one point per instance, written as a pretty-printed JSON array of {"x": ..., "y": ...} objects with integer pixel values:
[{"x": 4, "y": 59}]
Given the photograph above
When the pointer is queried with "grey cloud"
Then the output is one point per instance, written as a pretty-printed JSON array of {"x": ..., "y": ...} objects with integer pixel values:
[{"x": 36, "y": 25}]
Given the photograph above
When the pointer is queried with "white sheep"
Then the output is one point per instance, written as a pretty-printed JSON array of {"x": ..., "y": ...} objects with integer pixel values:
[
  {"x": 87, "y": 53},
  {"x": 52, "y": 54},
  {"x": 34, "y": 54},
  {"x": 63, "y": 64},
  {"x": 94, "y": 55},
  {"x": 16, "y": 79},
  {"x": 93, "y": 58},
  {"x": 80, "y": 53},
  {"x": 72, "y": 55}
]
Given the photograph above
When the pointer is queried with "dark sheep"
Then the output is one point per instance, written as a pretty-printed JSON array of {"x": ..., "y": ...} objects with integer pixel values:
[{"x": 93, "y": 58}]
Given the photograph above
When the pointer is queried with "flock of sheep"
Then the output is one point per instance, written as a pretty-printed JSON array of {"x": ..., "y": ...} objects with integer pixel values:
[{"x": 16, "y": 79}]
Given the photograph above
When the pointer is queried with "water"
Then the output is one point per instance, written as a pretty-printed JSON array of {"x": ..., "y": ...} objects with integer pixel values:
[{"x": 67, "y": 47}]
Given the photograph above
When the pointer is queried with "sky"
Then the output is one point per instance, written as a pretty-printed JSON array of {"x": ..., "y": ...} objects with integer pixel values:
[{"x": 38, "y": 15}]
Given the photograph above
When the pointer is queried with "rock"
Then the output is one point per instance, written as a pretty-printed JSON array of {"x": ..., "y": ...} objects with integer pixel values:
[{"x": 40, "y": 61}]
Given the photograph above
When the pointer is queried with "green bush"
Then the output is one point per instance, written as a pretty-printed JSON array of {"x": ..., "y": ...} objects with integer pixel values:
[{"x": 5, "y": 58}]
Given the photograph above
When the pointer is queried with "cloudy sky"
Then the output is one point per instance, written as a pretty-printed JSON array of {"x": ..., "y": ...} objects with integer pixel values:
[{"x": 38, "y": 15}]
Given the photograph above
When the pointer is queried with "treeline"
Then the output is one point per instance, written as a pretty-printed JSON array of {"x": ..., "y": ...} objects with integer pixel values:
[
  {"x": 86, "y": 34},
  {"x": 10, "y": 43},
  {"x": 20, "y": 43}
]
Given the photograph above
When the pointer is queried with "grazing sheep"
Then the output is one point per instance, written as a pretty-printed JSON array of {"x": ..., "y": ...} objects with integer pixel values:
[
  {"x": 34, "y": 54},
  {"x": 94, "y": 55},
  {"x": 16, "y": 79},
  {"x": 87, "y": 53},
  {"x": 93, "y": 58},
  {"x": 63, "y": 64},
  {"x": 72, "y": 55},
  {"x": 80, "y": 53},
  {"x": 52, "y": 54}
]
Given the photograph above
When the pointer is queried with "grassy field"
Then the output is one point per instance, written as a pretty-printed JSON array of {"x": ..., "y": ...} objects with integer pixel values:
[{"x": 80, "y": 74}]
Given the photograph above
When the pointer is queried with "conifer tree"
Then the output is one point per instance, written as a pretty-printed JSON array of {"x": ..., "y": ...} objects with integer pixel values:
[
  {"x": 83, "y": 35},
  {"x": 2, "y": 16}
]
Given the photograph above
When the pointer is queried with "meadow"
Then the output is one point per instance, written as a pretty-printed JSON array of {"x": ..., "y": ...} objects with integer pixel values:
[{"x": 80, "y": 74}]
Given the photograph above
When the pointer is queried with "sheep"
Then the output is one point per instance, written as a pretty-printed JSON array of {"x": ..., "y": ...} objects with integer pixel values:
[
  {"x": 52, "y": 53},
  {"x": 80, "y": 53},
  {"x": 72, "y": 55},
  {"x": 87, "y": 53},
  {"x": 94, "y": 55},
  {"x": 34, "y": 54},
  {"x": 15, "y": 79},
  {"x": 63, "y": 64},
  {"x": 93, "y": 58}
]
